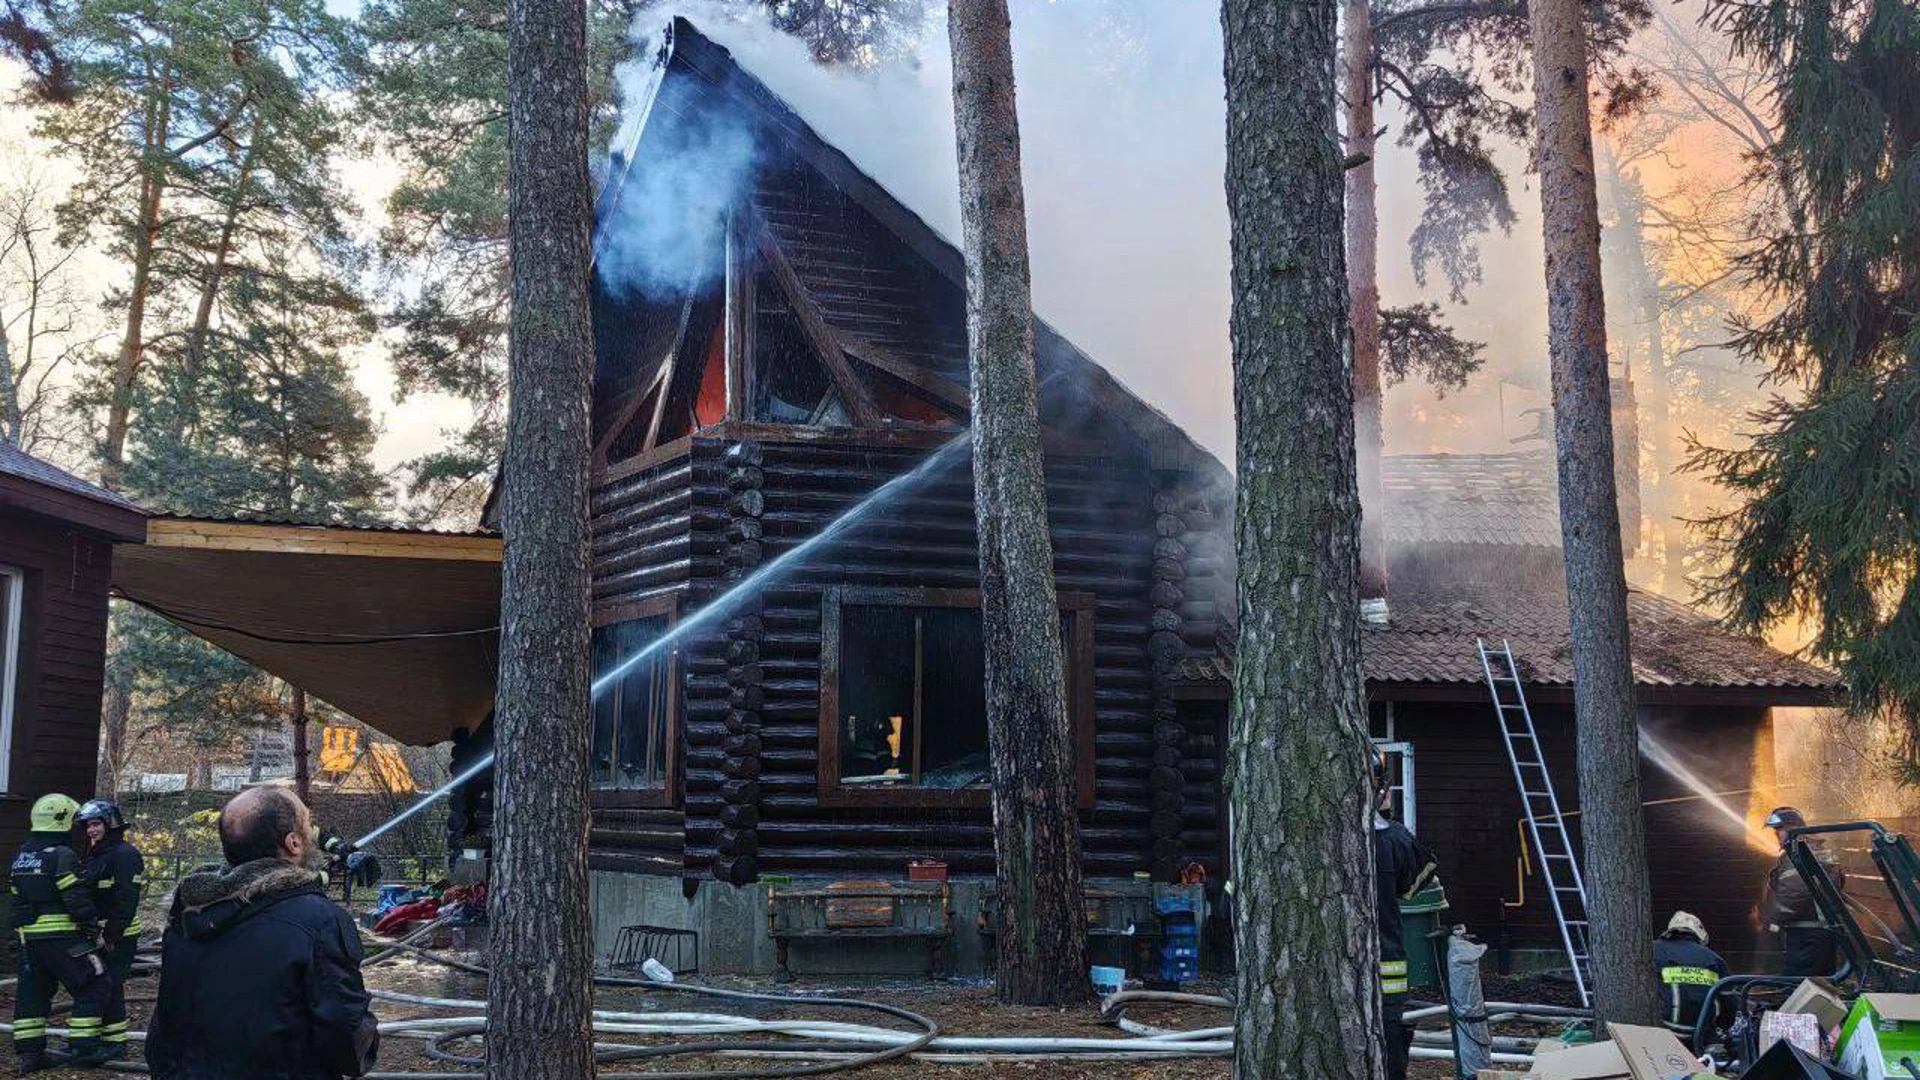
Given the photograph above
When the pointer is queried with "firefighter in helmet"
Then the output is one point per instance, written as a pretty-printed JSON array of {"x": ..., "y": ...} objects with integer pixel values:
[
  {"x": 1688, "y": 970},
  {"x": 1787, "y": 909},
  {"x": 1402, "y": 867},
  {"x": 54, "y": 918},
  {"x": 117, "y": 874}
]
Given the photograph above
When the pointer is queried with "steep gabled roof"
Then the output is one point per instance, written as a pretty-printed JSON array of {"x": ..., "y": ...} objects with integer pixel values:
[
  {"x": 40, "y": 487},
  {"x": 695, "y": 74}
]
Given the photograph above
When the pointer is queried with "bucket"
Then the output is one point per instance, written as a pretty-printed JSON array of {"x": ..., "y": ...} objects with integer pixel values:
[
  {"x": 1419, "y": 914},
  {"x": 1108, "y": 980}
]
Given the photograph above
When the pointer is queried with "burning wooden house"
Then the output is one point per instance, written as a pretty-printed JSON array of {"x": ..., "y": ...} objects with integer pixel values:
[{"x": 769, "y": 360}]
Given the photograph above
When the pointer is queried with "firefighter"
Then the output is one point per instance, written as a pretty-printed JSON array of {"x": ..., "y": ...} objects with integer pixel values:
[
  {"x": 117, "y": 874},
  {"x": 1787, "y": 909},
  {"x": 1688, "y": 969},
  {"x": 53, "y": 917},
  {"x": 1402, "y": 867}
]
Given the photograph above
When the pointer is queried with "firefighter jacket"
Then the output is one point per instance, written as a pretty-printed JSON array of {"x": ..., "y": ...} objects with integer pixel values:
[
  {"x": 260, "y": 979},
  {"x": 1788, "y": 901},
  {"x": 49, "y": 899},
  {"x": 1688, "y": 969},
  {"x": 117, "y": 875},
  {"x": 1402, "y": 866}
]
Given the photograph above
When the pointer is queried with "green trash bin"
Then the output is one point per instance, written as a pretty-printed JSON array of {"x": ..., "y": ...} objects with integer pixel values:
[{"x": 1418, "y": 915}]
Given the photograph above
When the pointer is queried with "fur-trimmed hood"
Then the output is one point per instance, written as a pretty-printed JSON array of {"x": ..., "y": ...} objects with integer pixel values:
[{"x": 209, "y": 901}]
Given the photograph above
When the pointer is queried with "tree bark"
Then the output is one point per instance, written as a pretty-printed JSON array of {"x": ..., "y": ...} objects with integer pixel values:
[
  {"x": 302, "y": 769},
  {"x": 1363, "y": 287},
  {"x": 540, "y": 995},
  {"x": 1615, "y": 844},
  {"x": 186, "y": 415},
  {"x": 1036, "y": 825},
  {"x": 1304, "y": 927},
  {"x": 126, "y": 368}
]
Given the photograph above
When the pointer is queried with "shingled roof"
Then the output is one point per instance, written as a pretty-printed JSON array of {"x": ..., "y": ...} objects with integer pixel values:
[
  {"x": 1471, "y": 499},
  {"x": 18, "y": 463},
  {"x": 1431, "y": 640}
]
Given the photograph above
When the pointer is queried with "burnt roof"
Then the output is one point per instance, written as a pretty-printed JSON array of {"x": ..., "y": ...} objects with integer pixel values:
[
  {"x": 38, "y": 486},
  {"x": 1431, "y": 640},
  {"x": 1475, "y": 499},
  {"x": 904, "y": 291}
]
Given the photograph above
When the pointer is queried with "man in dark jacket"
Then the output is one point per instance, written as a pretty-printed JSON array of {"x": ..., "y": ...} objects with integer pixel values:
[
  {"x": 54, "y": 919},
  {"x": 117, "y": 875},
  {"x": 1402, "y": 867},
  {"x": 260, "y": 977},
  {"x": 1807, "y": 945},
  {"x": 1688, "y": 969}
]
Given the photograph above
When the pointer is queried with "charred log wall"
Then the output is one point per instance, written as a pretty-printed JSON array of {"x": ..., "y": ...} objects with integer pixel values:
[{"x": 1142, "y": 544}]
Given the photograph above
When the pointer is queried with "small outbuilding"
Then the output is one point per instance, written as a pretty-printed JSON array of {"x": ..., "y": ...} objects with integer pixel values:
[{"x": 57, "y": 534}]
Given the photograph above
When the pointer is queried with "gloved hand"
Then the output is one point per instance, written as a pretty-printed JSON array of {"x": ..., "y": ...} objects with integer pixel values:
[{"x": 98, "y": 965}]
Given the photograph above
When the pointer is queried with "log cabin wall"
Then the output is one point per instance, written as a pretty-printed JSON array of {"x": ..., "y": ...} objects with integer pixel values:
[{"x": 750, "y": 703}]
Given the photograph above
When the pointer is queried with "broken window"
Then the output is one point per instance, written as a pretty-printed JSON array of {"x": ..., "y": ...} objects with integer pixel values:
[
  {"x": 907, "y": 707},
  {"x": 913, "y": 697},
  {"x": 631, "y": 708}
]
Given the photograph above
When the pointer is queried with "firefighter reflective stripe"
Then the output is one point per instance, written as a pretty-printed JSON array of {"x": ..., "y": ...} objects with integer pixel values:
[
  {"x": 1393, "y": 976},
  {"x": 115, "y": 1032},
  {"x": 65, "y": 881},
  {"x": 25, "y": 1028},
  {"x": 134, "y": 929},
  {"x": 49, "y": 924},
  {"x": 1688, "y": 976},
  {"x": 104, "y": 883},
  {"x": 83, "y": 1027}
]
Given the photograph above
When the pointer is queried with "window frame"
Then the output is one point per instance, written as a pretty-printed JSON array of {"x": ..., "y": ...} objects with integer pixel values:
[
  {"x": 1080, "y": 698},
  {"x": 13, "y": 603},
  {"x": 667, "y": 795}
]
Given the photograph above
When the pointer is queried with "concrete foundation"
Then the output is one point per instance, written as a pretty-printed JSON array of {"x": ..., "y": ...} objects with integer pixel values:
[{"x": 732, "y": 924}]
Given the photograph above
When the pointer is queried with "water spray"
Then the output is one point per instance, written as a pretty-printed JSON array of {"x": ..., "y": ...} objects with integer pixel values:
[
  {"x": 718, "y": 606},
  {"x": 1670, "y": 764}
]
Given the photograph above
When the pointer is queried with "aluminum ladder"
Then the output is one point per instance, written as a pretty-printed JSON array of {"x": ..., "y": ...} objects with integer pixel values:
[{"x": 1559, "y": 863}]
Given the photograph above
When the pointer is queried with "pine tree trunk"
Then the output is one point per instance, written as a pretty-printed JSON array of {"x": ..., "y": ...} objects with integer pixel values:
[
  {"x": 115, "y": 711},
  {"x": 1625, "y": 989},
  {"x": 1304, "y": 934},
  {"x": 1042, "y": 944},
  {"x": 186, "y": 416},
  {"x": 302, "y": 769},
  {"x": 1363, "y": 287},
  {"x": 540, "y": 995},
  {"x": 126, "y": 368}
]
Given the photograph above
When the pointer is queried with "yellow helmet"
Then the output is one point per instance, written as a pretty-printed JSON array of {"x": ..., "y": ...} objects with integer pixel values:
[{"x": 53, "y": 813}]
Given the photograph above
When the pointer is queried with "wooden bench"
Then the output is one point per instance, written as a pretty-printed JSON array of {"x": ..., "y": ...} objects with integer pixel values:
[{"x": 861, "y": 911}]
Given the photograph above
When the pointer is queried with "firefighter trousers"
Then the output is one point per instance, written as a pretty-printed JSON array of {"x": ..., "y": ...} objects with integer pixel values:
[
  {"x": 46, "y": 965},
  {"x": 113, "y": 1029},
  {"x": 1395, "y": 1035}
]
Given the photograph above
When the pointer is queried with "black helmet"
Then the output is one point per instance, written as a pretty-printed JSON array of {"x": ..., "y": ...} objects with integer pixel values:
[
  {"x": 1786, "y": 817},
  {"x": 105, "y": 811}
]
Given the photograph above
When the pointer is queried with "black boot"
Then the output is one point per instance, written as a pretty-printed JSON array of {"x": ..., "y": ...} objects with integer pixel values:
[
  {"x": 89, "y": 1053},
  {"x": 33, "y": 1061}
]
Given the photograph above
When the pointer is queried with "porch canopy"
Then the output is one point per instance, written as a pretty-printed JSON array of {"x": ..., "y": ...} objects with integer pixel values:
[{"x": 397, "y": 627}]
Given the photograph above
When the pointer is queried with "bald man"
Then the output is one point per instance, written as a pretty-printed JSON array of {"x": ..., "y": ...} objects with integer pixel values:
[{"x": 261, "y": 972}]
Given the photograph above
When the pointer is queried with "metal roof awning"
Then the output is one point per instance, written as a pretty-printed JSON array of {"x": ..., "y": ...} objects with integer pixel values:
[{"x": 398, "y": 628}]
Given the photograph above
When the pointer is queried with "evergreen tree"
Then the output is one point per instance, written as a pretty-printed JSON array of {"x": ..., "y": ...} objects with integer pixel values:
[
  {"x": 192, "y": 124},
  {"x": 1827, "y": 530}
]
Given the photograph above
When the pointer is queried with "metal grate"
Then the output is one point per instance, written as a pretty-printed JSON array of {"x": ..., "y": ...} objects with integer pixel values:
[{"x": 679, "y": 950}]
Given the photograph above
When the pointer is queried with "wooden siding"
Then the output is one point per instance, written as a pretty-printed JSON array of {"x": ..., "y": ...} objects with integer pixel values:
[
  {"x": 56, "y": 721},
  {"x": 1469, "y": 809}
]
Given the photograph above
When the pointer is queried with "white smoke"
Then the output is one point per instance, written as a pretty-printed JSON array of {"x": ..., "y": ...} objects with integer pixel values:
[{"x": 1123, "y": 131}]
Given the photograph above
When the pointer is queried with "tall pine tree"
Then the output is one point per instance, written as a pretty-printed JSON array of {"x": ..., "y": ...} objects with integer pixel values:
[{"x": 1827, "y": 531}]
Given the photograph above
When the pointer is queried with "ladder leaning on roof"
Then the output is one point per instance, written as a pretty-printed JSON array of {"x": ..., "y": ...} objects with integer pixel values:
[{"x": 1559, "y": 864}]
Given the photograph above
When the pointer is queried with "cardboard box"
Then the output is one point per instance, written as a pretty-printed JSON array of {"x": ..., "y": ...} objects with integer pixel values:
[
  {"x": 1881, "y": 1030},
  {"x": 1594, "y": 1061},
  {"x": 1818, "y": 996},
  {"x": 1653, "y": 1053},
  {"x": 1800, "y": 1029}
]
